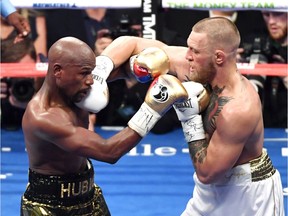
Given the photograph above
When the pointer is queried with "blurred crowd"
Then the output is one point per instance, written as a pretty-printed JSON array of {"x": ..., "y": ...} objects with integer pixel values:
[{"x": 264, "y": 40}]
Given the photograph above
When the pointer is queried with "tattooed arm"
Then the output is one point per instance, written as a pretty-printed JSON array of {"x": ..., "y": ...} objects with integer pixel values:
[
  {"x": 225, "y": 123},
  {"x": 198, "y": 148}
]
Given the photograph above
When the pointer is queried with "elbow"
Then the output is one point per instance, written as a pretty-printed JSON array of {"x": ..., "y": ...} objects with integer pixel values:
[
  {"x": 208, "y": 178},
  {"x": 112, "y": 160},
  {"x": 205, "y": 179},
  {"x": 209, "y": 174},
  {"x": 113, "y": 157}
]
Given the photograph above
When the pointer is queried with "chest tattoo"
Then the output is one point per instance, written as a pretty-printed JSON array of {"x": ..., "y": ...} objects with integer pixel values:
[
  {"x": 216, "y": 105},
  {"x": 198, "y": 148}
]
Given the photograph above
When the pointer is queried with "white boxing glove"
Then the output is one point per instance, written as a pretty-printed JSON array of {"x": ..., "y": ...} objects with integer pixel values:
[
  {"x": 188, "y": 111},
  {"x": 98, "y": 97},
  {"x": 104, "y": 66}
]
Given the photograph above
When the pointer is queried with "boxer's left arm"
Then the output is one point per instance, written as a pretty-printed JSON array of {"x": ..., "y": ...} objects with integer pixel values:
[
  {"x": 122, "y": 48},
  {"x": 57, "y": 127},
  {"x": 163, "y": 92}
]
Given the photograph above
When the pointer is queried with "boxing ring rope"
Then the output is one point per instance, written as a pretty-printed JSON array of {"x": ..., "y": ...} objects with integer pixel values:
[{"x": 40, "y": 69}]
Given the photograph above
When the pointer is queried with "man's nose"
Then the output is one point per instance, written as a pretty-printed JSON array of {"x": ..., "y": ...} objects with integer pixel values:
[
  {"x": 188, "y": 56},
  {"x": 90, "y": 80}
]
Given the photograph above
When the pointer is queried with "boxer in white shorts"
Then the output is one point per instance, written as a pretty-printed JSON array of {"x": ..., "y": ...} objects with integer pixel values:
[
  {"x": 226, "y": 137},
  {"x": 253, "y": 188}
]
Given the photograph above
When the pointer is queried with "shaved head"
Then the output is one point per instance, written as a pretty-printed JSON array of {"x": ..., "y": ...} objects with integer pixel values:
[
  {"x": 221, "y": 32},
  {"x": 69, "y": 50},
  {"x": 70, "y": 64}
]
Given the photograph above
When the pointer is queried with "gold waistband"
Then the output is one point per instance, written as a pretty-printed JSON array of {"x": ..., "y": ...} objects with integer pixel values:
[
  {"x": 262, "y": 167},
  {"x": 61, "y": 189}
]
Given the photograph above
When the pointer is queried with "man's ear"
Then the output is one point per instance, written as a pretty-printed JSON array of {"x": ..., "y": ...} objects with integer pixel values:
[
  {"x": 57, "y": 70},
  {"x": 219, "y": 57}
]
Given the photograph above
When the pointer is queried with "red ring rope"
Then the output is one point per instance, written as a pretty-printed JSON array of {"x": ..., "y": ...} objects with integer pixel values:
[{"x": 40, "y": 69}]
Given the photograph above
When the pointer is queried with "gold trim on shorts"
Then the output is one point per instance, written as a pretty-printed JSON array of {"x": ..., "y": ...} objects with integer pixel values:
[
  {"x": 96, "y": 206},
  {"x": 65, "y": 195},
  {"x": 68, "y": 189},
  {"x": 262, "y": 167}
]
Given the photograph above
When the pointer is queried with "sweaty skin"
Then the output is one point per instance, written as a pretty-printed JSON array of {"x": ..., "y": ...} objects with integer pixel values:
[
  {"x": 233, "y": 120},
  {"x": 226, "y": 140},
  {"x": 56, "y": 131}
]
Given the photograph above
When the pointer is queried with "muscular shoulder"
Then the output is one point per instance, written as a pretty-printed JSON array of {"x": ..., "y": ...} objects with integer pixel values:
[
  {"x": 45, "y": 119},
  {"x": 232, "y": 108},
  {"x": 241, "y": 113},
  {"x": 236, "y": 110}
]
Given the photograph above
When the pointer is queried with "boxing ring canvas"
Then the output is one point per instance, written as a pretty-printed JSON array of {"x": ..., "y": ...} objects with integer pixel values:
[{"x": 154, "y": 178}]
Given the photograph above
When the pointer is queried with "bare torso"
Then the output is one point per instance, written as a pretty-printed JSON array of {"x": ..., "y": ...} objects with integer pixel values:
[
  {"x": 58, "y": 140},
  {"x": 242, "y": 101},
  {"x": 44, "y": 155}
]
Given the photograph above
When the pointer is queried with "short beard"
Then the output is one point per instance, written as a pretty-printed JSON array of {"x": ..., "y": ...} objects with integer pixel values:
[{"x": 206, "y": 75}]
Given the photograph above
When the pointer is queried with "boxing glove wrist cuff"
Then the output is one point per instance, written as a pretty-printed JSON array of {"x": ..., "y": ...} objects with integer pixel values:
[
  {"x": 193, "y": 128},
  {"x": 131, "y": 62},
  {"x": 104, "y": 65},
  {"x": 142, "y": 78},
  {"x": 187, "y": 108},
  {"x": 144, "y": 120}
]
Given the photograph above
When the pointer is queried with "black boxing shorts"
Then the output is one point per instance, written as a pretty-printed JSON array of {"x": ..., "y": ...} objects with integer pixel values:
[{"x": 72, "y": 194}]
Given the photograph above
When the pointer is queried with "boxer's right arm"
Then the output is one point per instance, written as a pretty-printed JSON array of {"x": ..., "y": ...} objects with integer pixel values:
[{"x": 122, "y": 48}]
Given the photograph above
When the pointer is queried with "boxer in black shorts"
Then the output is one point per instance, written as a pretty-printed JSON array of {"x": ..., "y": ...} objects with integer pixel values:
[{"x": 76, "y": 194}]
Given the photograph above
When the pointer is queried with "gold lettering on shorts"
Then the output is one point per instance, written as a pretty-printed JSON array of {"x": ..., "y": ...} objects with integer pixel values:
[
  {"x": 73, "y": 189},
  {"x": 91, "y": 183},
  {"x": 84, "y": 186},
  {"x": 65, "y": 190},
  {"x": 76, "y": 188}
]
